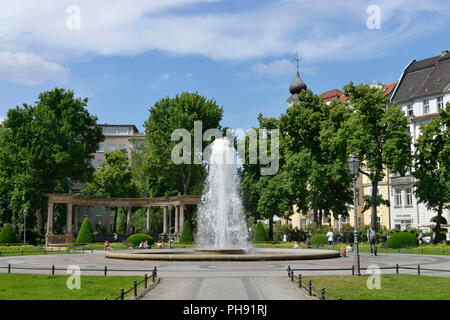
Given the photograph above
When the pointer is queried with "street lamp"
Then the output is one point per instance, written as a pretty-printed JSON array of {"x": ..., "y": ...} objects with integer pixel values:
[
  {"x": 353, "y": 165},
  {"x": 170, "y": 224},
  {"x": 24, "y": 225}
]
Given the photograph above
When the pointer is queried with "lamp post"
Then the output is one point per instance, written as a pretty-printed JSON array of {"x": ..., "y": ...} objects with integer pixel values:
[
  {"x": 353, "y": 165},
  {"x": 24, "y": 225},
  {"x": 170, "y": 224}
]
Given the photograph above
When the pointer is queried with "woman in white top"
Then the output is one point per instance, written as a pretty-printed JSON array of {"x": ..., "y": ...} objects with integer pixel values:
[{"x": 330, "y": 236}]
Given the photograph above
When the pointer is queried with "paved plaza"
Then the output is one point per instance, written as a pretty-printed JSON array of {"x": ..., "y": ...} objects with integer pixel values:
[{"x": 220, "y": 280}]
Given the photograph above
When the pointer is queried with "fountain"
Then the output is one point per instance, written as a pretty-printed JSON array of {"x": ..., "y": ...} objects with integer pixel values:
[{"x": 222, "y": 226}]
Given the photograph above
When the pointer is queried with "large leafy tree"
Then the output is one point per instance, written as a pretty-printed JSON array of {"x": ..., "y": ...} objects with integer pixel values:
[
  {"x": 167, "y": 115},
  {"x": 112, "y": 180},
  {"x": 432, "y": 165},
  {"x": 153, "y": 169},
  {"x": 377, "y": 133},
  {"x": 265, "y": 196},
  {"x": 315, "y": 157},
  {"x": 43, "y": 147}
]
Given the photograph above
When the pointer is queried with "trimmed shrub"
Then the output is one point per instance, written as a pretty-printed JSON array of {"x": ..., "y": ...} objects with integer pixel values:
[
  {"x": 186, "y": 235},
  {"x": 401, "y": 240},
  {"x": 86, "y": 235},
  {"x": 319, "y": 239},
  {"x": 35, "y": 237},
  {"x": 7, "y": 235},
  {"x": 135, "y": 239},
  {"x": 260, "y": 232}
]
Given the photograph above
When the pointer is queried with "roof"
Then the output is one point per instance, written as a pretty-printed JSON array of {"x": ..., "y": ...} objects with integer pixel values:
[
  {"x": 424, "y": 78},
  {"x": 334, "y": 94},
  {"x": 338, "y": 95},
  {"x": 135, "y": 130},
  {"x": 389, "y": 87}
]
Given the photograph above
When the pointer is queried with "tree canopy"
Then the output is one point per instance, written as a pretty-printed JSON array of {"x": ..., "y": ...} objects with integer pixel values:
[
  {"x": 43, "y": 148},
  {"x": 432, "y": 165},
  {"x": 377, "y": 133},
  {"x": 152, "y": 159}
]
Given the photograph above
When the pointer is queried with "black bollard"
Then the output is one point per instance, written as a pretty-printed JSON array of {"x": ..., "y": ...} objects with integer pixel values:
[{"x": 299, "y": 280}]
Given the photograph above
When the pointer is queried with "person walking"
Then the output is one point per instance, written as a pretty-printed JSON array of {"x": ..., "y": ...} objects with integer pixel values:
[
  {"x": 330, "y": 236},
  {"x": 372, "y": 239}
]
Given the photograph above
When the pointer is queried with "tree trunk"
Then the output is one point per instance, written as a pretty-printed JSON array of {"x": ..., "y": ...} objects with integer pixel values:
[
  {"x": 373, "y": 219},
  {"x": 115, "y": 220},
  {"x": 271, "y": 229},
  {"x": 320, "y": 217},
  {"x": 437, "y": 230},
  {"x": 315, "y": 211}
]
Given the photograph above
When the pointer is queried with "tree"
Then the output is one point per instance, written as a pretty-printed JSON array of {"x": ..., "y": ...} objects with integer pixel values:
[
  {"x": 260, "y": 232},
  {"x": 86, "y": 235},
  {"x": 166, "y": 116},
  {"x": 186, "y": 235},
  {"x": 43, "y": 147},
  {"x": 315, "y": 159},
  {"x": 264, "y": 196},
  {"x": 377, "y": 133},
  {"x": 432, "y": 165},
  {"x": 112, "y": 180},
  {"x": 7, "y": 235}
]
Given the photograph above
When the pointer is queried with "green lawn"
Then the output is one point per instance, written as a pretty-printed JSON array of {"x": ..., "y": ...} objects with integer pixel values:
[
  {"x": 48, "y": 287},
  {"x": 393, "y": 287}
]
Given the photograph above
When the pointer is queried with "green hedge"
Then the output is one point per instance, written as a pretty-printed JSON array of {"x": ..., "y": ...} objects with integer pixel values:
[
  {"x": 260, "y": 232},
  {"x": 8, "y": 235},
  {"x": 401, "y": 240},
  {"x": 186, "y": 235},
  {"x": 86, "y": 235},
  {"x": 135, "y": 239},
  {"x": 319, "y": 239}
]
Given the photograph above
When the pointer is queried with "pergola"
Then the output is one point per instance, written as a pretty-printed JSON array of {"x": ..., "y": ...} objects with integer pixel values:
[{"x": 73, "y": 201}]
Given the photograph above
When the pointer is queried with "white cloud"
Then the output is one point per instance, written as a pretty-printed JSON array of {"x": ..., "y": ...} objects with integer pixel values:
[
  {"x": 2, "y": 119},
  {"x": 28, "y": 69},
  {"x": 275, "y": 68},
  {"x": 326, "y": 29},
  {"x": 160, "y": 81}
]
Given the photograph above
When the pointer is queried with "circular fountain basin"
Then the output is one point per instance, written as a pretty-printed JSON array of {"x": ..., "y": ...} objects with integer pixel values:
[
  {"x": 261, "y": 254},
  {"x": 219, "y": 251}
]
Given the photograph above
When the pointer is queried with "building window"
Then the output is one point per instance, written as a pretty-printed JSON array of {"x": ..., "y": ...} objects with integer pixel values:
[
  {"x": 98, "y": 212},
  {"x": 398, "y": 197},
  {"x": 426, "y": 106},
  {"x": 408, "y": 196},
  {"x": 121, "y": 147},
  {"x": 99, "y": 162},
  {"x": 403, "y": 224},
  {"x": 440, "y": 103},
  {"x": 86, "y": 212},
  {"x": 100, "y": 147},
  {"x": 410, "y": 111},
  {"x": 111, "y": 147}
]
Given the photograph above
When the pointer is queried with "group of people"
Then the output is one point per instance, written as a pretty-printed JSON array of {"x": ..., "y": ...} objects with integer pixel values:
[
  {"x": 371, "y": 238},
  {"x": 144, "y": 245}
]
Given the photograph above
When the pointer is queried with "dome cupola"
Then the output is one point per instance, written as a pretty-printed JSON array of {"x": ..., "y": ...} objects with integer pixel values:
[{"x": 297, "y": 85}]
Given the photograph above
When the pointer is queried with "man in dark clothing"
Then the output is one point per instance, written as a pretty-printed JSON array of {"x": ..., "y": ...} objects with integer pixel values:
[{"x": 372, "y": 239}]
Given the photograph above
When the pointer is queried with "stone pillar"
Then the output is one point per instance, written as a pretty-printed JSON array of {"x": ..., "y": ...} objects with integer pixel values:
[
  {"x": 181, "y": 218},
  {"x": 177, "y": 210},
  {"x": 69, "y": 219},
  {"x": 50, "y": 218},
  {"x": 148, "y": 219},
  {"x": 165, "y": 220},
  {"x": 75, "y": 218},
  {"x": 49, "y": 234},
  {"x": 128, "y": 232}
]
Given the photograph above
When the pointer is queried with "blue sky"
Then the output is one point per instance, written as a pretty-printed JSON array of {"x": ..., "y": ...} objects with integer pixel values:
[{"x": 125, "y": 57}]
